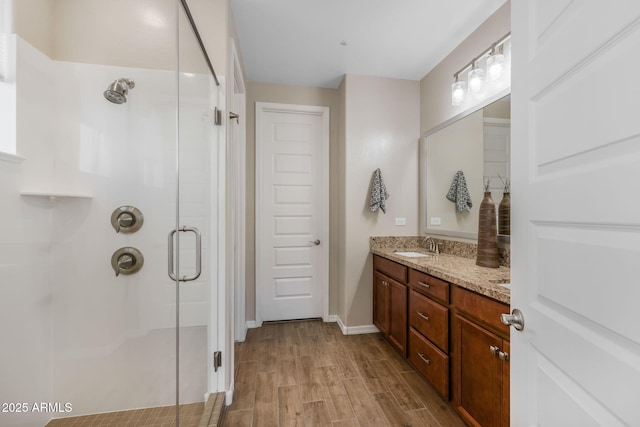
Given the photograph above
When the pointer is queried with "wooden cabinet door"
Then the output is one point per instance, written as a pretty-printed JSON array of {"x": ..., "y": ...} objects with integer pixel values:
[
  {"x": 478, "y": 397},
  {"x": 381, "y": 303},
  {"x": 506, "y": 380},
  {"x": 398, "y": 315}
]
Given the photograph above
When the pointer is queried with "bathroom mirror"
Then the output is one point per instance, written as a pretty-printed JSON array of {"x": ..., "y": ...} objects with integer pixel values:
[{"x": 476, "y": 142}]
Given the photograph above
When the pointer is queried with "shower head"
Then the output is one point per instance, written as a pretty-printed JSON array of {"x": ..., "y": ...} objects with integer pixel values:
[{"x": 117, "y": 91}]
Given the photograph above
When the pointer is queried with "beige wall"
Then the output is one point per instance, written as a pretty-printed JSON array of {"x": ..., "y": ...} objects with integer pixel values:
[
  {"x": 139, "y": 34},
  {"x": 498, "y": 110},
  {"x": 215, "y": 25},
  {"x": 435, "y": 87},
  {"x": 301, "y": 95},
  {"x": 381, "y": 130},
  {"x": 33, "y": 21}
]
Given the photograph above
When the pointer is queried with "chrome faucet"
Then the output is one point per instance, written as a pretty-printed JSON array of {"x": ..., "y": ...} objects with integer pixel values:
[{"x": 433, "y": 245}]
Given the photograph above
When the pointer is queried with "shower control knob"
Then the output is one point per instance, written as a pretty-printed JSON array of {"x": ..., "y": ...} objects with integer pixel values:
[
  {"x": 127, "y": 260},
  {"x": 126, "y": 219}
]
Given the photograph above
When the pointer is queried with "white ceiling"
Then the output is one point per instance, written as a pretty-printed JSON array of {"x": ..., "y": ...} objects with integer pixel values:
[{"x": 299, "y": 41}]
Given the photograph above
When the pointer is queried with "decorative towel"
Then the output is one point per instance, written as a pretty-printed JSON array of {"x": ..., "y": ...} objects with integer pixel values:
[
  {"x": 378, "y": 193},
  {"x": 459, "y": 194}
]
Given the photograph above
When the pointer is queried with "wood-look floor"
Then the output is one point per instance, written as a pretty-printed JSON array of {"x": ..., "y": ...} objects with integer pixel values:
[
  {"x": 308, "y": 374},
  {"x": 164, "y": 416}
]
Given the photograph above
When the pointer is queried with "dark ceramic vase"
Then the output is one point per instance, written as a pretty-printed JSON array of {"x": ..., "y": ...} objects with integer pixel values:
[
  {"x": 504, "y": 215},
  {"x": 487, "y": 234}
]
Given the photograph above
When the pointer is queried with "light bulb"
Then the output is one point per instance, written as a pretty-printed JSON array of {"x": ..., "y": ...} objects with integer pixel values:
[
  {"x": 495, "y": 67},
  {"x": 457, "y": 93},
  {"x": 476, "y": 79}
]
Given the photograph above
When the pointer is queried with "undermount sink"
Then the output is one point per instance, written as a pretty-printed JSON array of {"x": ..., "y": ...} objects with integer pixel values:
[{"x": 411, "y": 254}]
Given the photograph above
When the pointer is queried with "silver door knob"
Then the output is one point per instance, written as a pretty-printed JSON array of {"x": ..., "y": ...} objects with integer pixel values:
[
  {"x": 315, "y": 242},
  {"x": 515, "y": 319}
]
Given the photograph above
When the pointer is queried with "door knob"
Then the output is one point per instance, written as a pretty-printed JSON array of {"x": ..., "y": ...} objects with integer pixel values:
[
  {"x": 515, "y": 319},
  {"x": 315, "y": 242}
]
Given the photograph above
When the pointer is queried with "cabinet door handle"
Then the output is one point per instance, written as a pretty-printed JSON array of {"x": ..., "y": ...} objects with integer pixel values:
[
  {"x": 424, "y": 359},
  {"x": 494, "y": 350},
  {"x": 426, "y": 285},
  {"x": 424, "y": 316},
  {"x": 504, "y": 356}
]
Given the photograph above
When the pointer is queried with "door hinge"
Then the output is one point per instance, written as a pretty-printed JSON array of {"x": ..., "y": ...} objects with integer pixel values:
[
  {"x": 217, "y": 360},
  {"x": 217, "y": 117}
]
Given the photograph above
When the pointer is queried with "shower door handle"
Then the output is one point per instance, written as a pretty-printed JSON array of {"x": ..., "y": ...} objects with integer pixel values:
[{"x": 172, "y": 273}]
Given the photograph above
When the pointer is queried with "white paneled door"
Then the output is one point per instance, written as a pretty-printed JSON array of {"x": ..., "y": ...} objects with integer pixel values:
[
  {"x": 291, "y": 211},
  {"x": 576, "y": 213}
]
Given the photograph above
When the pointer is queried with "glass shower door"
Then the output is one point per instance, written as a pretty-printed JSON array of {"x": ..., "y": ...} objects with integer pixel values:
[
  {"x": 113, "y": 115},
  {"x": 196, "y": 229}
]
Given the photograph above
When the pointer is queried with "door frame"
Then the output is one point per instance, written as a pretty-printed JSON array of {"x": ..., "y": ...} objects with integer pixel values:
[
  {"x": 323, "y": 267},
  {"x": 239, "y": 172}
]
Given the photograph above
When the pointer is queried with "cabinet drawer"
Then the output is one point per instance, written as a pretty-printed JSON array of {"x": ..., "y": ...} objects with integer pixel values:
[
  {"x": 483, "y": 309},
  {"x": 432, "y": 363},
  {"x": 430, "y": 319},
  {"x": 390, "y": 268},
  {"x": 429, "y": 285}
]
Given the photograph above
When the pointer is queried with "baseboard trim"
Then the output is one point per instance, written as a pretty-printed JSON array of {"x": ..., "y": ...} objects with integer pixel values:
[
  {"x": 251, "y": 324},
  {"x": 356, "y": 330},
  {"x": 346, "y": 330}
]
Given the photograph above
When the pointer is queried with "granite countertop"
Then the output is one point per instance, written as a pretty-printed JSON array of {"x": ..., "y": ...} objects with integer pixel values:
[{"x": 454, "y": 269}]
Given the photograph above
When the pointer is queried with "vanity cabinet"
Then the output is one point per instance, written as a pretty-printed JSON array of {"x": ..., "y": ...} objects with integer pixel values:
[
  {"x": 480, "y": 354},
  {"x": 452, "y": 336},
  {"x": 429, "y": 329},
  {"x": 390, "y": 301}
]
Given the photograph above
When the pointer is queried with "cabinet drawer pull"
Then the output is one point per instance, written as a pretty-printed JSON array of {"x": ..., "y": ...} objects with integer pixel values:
[
  {"x": 426, "y": 285},
  {"x": 425, "y": 360},
  {"x": 504, "y": 356},
  {"x": 494, "y": 350},
  {"x": 424, "y": 316}
]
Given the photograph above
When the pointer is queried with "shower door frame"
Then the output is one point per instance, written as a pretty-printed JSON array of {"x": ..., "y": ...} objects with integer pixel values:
[{"x": 216, "y": 244}]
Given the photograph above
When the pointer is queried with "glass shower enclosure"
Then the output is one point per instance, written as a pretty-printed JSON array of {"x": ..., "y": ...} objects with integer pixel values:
[{"x": 108, "y": 220}]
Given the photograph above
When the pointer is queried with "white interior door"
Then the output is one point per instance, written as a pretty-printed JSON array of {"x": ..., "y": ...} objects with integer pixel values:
[
  {"x": 576, "y": 213},
  {"x": 291, "y": 211}
]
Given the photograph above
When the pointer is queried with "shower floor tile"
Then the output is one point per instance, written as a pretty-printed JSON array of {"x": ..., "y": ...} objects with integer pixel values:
[{"x": 190, "y": 416}]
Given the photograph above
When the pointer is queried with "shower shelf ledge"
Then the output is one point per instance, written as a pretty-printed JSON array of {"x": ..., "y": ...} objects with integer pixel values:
[{"x": 55, "y": 195}]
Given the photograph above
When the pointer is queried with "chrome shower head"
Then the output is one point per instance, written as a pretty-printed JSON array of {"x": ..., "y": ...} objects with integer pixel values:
[{"x": 118, "y": 90}]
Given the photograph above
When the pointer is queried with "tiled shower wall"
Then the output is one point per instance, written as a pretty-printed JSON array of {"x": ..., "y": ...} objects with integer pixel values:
[{"x": 73, "y": 332}]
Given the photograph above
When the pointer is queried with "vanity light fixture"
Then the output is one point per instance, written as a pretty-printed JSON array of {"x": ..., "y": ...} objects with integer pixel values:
[
  {"x": 458, "y": 89},
  {"x": 477, "y": 78},
  {"x": 495, "y": 63}
]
